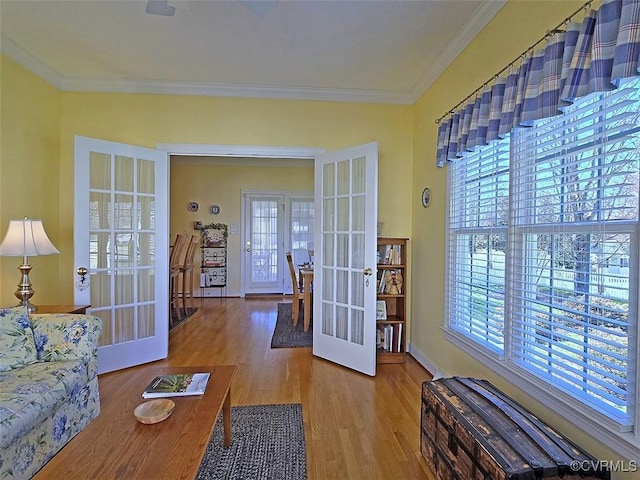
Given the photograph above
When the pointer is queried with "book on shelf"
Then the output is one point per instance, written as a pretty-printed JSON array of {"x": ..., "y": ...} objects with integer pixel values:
[
  {"x": 389, "y": 338},
  {"x": 390, "y": 254},
  {"x": 177, "y": 385}
]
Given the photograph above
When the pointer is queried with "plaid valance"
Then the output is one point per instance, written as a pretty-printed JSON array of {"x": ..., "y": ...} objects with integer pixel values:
[{"x": 589, "y": 56}]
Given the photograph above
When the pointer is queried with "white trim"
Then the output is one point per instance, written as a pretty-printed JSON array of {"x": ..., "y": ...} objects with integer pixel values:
[
  {"x": 487, "y": 10},
  {"x": 31, "y": 63},
  {"x": 576, "y": 413},
  {"x": 355, "y": 95},
  {"x": 422, "y": 360},
  {"x": 206, "y": 150}
]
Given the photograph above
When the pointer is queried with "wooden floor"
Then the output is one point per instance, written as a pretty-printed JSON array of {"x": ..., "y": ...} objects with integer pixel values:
[{"x": 356, "y": 427}]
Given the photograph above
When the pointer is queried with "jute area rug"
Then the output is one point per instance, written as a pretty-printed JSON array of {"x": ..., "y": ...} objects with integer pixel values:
[
  {"x": 267, "y": 443},
  {"x": 285, "y": 335}
]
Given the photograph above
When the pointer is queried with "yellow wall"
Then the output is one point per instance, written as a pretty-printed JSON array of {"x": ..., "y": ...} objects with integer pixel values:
[
  {"x": 220, "y": 182},
  {"x": 39, "y": 122},
  {"x": 517, "y": 25},
  {"x": 29, "y": 173}
]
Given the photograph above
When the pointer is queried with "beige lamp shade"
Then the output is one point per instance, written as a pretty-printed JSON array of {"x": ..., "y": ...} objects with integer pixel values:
[{"x": 26, "y": 238}]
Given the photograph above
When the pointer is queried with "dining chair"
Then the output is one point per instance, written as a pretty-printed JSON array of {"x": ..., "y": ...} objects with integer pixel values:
[
  {"x": 297, "y": 290},
  {"x": 187, "y": 272},
  {"x": 174, "y": 273}
]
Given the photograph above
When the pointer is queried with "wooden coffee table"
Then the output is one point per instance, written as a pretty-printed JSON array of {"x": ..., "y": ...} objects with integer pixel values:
[{"x": 115, "y": 445}]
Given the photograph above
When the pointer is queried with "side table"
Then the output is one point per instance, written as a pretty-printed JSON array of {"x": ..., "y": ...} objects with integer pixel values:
[{"x": 62, "y": 308}]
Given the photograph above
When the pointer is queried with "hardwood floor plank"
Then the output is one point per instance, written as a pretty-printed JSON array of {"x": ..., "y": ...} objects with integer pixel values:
[{"x": 355, "y": 426}]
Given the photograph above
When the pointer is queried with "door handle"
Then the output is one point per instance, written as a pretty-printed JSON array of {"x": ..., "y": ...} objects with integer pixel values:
[
  {"x": 368, "y": 271},
  {"x": 83, "y": 282}
]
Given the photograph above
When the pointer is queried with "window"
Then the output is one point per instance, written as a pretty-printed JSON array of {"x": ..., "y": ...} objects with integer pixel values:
[{"x": 538, "y": 224}]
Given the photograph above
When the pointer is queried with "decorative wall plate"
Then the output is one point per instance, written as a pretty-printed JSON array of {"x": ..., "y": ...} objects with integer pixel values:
[
  {"x": 193, "y": 206},
  {"x": 426, "y": 197},
  {"x": 214, "y": 209}
]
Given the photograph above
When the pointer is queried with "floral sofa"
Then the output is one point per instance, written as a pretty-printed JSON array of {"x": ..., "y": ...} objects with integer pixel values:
[{"x": 48, "y": 385}]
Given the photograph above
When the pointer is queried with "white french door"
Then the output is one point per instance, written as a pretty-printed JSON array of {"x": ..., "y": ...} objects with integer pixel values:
[
  {"x": 275, "y": 223},
  {"x": 346, "y": 201},
  {"x": 263, "y": 243},
  {"x": 121, "y": 237}
]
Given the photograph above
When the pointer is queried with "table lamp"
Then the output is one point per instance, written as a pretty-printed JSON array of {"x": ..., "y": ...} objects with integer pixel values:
[{"x": 26, "y": 238}]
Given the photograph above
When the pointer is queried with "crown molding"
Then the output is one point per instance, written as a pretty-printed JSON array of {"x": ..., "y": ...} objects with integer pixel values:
[
  {"x": 237, "y": 90},
  {"x": 31, "y": 63},
  {"x": 485, "y": 13},
  {"x": 468, "y": 32}
]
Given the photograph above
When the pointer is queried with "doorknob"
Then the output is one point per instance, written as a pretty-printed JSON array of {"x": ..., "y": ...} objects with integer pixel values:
[
  {"x": 83, "y": 282},
  {"x": 368, "y": 271}
]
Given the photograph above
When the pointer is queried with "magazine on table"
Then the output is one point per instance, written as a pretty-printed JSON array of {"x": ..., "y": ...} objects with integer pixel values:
[{"x": 177, "y": 385}]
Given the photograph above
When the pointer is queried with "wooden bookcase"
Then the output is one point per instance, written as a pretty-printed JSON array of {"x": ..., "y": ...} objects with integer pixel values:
[{"x": 392, "y": 283}]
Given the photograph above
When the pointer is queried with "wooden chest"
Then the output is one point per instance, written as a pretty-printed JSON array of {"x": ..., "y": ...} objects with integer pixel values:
[{"x": 472, "y": 431}]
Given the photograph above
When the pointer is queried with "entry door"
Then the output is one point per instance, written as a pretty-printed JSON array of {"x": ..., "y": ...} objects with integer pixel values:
[
  {"x": 264, "y": 239},
  {"x": 121, "y": 237},
  {"x": 346, "y": 200}
]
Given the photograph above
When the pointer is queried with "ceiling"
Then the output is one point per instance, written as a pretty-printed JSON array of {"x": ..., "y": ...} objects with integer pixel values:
[{"x": 363, "y": 51}]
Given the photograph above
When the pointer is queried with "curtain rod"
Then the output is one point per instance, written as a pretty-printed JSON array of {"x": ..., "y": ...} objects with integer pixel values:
[{"x": 556, "y": 29}]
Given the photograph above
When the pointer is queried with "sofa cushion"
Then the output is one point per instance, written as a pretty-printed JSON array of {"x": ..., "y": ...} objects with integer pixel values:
[
  {"x": 17, "y": 345},
  {"x": 30, "y": 394}
]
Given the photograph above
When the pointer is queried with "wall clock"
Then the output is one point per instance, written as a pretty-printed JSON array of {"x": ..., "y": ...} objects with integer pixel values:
[
  {"x": 193, "y": 206},
  {"x": 426, "y": 197},
  {"x": 214, "y": 209}
]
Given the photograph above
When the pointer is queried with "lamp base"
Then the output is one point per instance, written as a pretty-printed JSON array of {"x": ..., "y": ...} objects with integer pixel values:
[{"x": 25, "y": 291}]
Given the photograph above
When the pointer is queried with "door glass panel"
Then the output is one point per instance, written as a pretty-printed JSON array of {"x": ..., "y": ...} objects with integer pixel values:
[
  {"x": 328, "y": 256},
  {"x": 328, "y": 180},
  {"x": 357, "y": 289},
  {"x": 123, "y": 174},
  {"x": 327, "y": 318},
  {"x": 342, "y": 286},
  {"x": 342, "y": 251},
  {"x": 357, "y": 326},
  {"x": 343, "y": 180},
  {"x": 301, "y": 220},
  {"x": 146, "y": 212},
  {"x": 342, "y": 215},
  {"x": 146, "y": 323},
  {"x": 146, "y": 279},
  {"x": 100, "y": 165},
  {"x": 342, "y": 322},
  {"x": 359, "y": 175},
  {"x": 329, "y": 214},
  {"x": 124, "y": 331},
  {"x": 357, "y": 216},
  {"x": 357, "y": 258},
  {"x": 327, "y": 284},
  {"x": 124, "y": 287},
  {"x": 146, "y": 176},
  {"x": 145, "y": 250},
  {"x": 100, "y": 288},
  {"x": 264, "y": 241},
  {"x": 106, "y": 338}
]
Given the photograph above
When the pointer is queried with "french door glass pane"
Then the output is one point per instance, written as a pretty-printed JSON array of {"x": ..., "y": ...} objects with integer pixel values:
[{"x": 264, "y": 241}]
